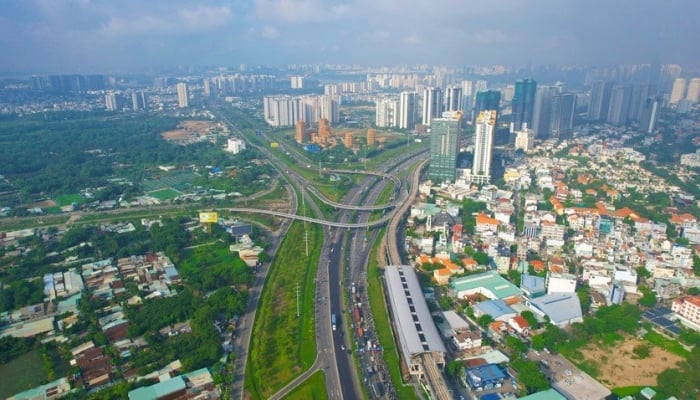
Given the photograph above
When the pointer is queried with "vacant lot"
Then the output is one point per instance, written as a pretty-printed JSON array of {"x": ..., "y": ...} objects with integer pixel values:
[
  {"x": 20, "y": 374},
  {"x": 619, "y": 366}
]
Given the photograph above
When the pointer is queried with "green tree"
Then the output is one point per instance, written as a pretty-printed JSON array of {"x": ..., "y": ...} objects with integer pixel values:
[
  {"x": 648, "y": 298},
  {"x": 530, "y": 318}
]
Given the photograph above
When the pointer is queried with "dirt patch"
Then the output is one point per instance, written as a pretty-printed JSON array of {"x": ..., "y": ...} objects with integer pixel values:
[
  {"x": 177, "y": 134},
  {"x": 45, "y": 204},
  {"x": 189, "y": 130},
  {"x": 619, "y": 366}
]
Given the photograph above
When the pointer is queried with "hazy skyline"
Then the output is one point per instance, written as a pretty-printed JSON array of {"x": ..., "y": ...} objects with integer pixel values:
[{"x": 86, "y": 36}]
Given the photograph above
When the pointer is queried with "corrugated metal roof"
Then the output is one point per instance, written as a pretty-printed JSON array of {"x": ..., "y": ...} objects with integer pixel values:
[
  {"x": 560, "y": 307},
  {"x": 415, "y": 325},
  {"x": 491, "y": 281}
]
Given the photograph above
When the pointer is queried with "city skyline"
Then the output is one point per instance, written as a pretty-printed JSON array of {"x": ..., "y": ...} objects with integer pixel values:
[{"x": 86, "y": 36}]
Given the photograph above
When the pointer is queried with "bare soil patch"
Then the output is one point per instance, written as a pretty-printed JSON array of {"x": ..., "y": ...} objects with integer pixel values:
[{"x": 619, "y": 366}]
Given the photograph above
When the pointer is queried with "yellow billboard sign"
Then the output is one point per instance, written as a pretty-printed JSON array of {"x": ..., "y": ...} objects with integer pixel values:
[{"x": 208, "y": 217}]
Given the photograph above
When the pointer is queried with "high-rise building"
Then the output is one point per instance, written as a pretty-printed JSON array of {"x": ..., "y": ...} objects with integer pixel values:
[
  {"x": 693, "y": 91},
  {"x": 467, "y": 98},
  {"x": 640, "y": 93},
  {"x": 523, "y": 103},
  {"x": 347, "y": 140},
  {"x": 387, "y": 113},
  {"x": 280, "y": 111},
  {"x": 542, "y": 113},
  {"x": 563, "y": 110},
  {"x": 650, "y": 114},
  {"x": 330, "y": 108},
  {"x": 183, "y": 95},
  {"x": 138, "y": 100},
  {"x": 432, "y": 104},
  {"x": 524, "y": 139},
  {"x": 407, "y": 110},
  {"x": 453, "y": 99},
  {"x": 483, "y": 146},
  {"x": 297, "y": 82},
  {"x": 620, "y": 99},
  {"x": 111, "y": 101},
  {"x": 301, "y": 134},
  {"x": 324, "y": 130},
  {"x": 371, "y": 137},
  {"x": 678, "y": 91},
  {"x": 600, "y": 100},
  {"x": 485, "y": 101},
  {"x": 444, "y": 148}
]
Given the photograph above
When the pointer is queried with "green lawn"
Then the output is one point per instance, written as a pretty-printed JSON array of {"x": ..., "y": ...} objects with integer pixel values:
[
  {"x": 284, "y": 345},
  {"x": 20, "y": 374},
  {"x": 666, "y": 344},
  {"x": 164, "y": 194},
  {"x": 627, "y": 391},
  {"x": 313, "y": 388},
  {"x": 68, "y": 199}
]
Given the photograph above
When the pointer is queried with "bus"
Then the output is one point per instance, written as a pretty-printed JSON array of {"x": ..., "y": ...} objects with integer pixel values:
[{"x": 333, "y": 321}]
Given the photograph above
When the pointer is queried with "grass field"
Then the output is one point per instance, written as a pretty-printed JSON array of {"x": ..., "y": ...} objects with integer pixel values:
[
  {"x": 68, "y": 199},
  {"x": 164, "y": 194},
  {"x": 383, "y": 326},
  {"x": 669, "y": 345},
  {"x": 20, "y": 374},
  {"x": 313, "y": 388},
  {"x": 180, "y": 181},
  {"x": 284, "y": 345}
]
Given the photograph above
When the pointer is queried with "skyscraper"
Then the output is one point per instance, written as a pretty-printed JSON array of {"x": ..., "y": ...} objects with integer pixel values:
[
  {"x": 407, "y": 110},
  {"x": 486, "y": 100},
  {"x": 183, "y": 95},
  {"x": 693, "y": 91},
  {"x": 600, "y": 100},
  {"x": 444, "y": 147},
  {"x": 111, "y": 101},
  {"x": 302, "y": 134},
  {"x": 453, "y": 99},
  {"x": 523, "y": 103},
  {"x": 330, "y": 108},
  {"x": 432, "y": 104},
  {"x": 387, "y": 113},
  {"x": 678, "y": 91},
  {"x": 563, "y": 110},
  {"x": 650, "y": 114},
  {"x": 618, "y": 113},
  {"x": 542, "y": 112},
  {"x": 483, "y": 146},
  {"x": 138, "y": 100}
]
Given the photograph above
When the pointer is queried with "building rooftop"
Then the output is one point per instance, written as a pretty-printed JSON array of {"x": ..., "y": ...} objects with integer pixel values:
[
  {"x": 549, "y": 394},
  {"x": 561, "y": 308},
  {"x": 455, "y": 321},
  {"x": 532, "y": 285},
  {"x": 159, "y": 390},
  {"x": 490, "y": 284},
  {"x": 417, "y": 331},
  {"x": 494, "y": 308}
]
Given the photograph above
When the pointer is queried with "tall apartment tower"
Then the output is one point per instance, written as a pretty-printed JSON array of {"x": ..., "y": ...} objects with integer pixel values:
[
  {"x": 444, "y": 148},
  {"x": 387, "y": 113},
  {"x": 453, "y": 99},
  {"x": 600, "y": 100},
  {"x": 302, "y": 134},
  {"x": 523, "y": 103},
  {"x": 678, "y": 91},
  {"x": 620, "y": 99},
  {"x": 563, "y": 110},
  {"x": 183, "y": 95},
  {"x": 542, "y": 112},
  {"x": 111, "y": 101},
  {"x": 483, "y": 146},
  {"x": 432, "y": 104},
  {"x": 650, "y": 114},
  {"x": 330, "y": 108},
  {"x": 138, "y": 100},
  {"x": 324, "y": 130},
  {"x": 407, "y": 110},
  {"x": 693, "y": 91},
  {"x": 347, "y": 140},
  {"x": 486, "y": 100}
]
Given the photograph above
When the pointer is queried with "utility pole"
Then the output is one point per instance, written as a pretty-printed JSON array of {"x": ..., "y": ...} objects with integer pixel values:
[{"x": 297, "y": 299}]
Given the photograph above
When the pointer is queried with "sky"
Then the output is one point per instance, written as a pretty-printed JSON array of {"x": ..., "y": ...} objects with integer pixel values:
[{"x": 93, "y": 36}]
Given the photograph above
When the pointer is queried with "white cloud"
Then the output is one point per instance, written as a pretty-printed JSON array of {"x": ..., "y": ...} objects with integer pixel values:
[
  {"x": 198, "y": 19},
  {"x": 299, "y": 11},
  {"x": 204, "y": 18},
  {"x": 413, "y": 39},
  {"x": 270, "y": 32}
]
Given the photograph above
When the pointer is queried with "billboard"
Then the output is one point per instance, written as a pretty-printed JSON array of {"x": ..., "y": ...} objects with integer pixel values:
[{"x": 208, "y": 217}]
